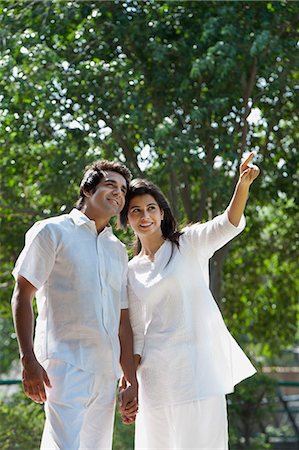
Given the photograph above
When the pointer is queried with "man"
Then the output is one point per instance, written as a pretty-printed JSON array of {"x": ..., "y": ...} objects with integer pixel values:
[{"x": 77, "y": 270}]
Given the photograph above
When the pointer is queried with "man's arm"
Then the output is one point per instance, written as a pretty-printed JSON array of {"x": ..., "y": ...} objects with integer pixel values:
[
  {"x": 248, "y": 174},
  {"x": 34, "y": 376},
  {"x": 129, "y": 389}
]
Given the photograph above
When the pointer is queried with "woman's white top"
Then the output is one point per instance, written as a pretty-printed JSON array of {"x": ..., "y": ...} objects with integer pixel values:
[{"x": 186, "y": 351}]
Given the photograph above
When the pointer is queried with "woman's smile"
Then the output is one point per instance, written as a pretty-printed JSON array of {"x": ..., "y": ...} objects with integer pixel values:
[{"x": 145, "y": 214}]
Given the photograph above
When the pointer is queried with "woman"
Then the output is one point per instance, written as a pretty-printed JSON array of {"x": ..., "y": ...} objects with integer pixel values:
[{"x": 187, "y": 360}]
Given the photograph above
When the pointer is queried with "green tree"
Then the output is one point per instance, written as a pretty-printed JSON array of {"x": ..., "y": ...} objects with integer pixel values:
[{"x": 168, "y": 88}]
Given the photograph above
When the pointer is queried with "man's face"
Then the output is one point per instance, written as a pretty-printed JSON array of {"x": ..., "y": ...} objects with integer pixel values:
[{"x": 108, "y": 199}]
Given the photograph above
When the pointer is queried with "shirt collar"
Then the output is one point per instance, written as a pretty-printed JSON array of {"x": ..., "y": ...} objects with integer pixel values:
[{"x": 81, "y": 219}]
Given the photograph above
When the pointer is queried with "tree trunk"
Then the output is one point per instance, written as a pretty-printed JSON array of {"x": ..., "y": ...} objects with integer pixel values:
[
  {"x": 205, "y": 180},
  {"x": 186, "y": 194},
  {"x": 216, "y": 273},
  {"x": 247, "y": 94},
  {"x": 173, "y": 197}
]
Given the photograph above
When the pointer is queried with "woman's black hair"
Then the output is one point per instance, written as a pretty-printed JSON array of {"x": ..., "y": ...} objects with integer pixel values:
[{"x": 169, "y": 229}]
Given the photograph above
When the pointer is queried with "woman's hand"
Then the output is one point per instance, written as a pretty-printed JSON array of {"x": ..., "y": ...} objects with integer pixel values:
[
  {"x": 128, "y": 401},
  {"x": 248, "y": 172}
]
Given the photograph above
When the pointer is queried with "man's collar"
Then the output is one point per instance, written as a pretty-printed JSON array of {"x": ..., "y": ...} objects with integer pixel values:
[{"x": 79, "y": 218}]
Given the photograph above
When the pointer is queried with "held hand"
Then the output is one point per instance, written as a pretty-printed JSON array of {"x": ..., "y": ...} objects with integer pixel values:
[
  {"x": 128, "y": 401},
  {"x": 129, "y": 414},
  {"x": 34, "y": 378},
  {"x": 248, "y": 172}
]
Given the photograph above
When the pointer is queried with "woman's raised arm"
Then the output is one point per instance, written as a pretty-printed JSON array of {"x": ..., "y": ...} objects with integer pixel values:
[{"x": 248, "y": 173}]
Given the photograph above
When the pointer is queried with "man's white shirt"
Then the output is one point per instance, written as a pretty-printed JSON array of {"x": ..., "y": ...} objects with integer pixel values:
[{"x": 81, "y": 279}]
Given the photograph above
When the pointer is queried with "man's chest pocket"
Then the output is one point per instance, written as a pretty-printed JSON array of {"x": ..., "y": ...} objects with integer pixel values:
[{"x": 114, "y": 274}]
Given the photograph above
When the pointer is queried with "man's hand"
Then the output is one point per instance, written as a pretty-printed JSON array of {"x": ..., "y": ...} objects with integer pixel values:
[
  {"x": 34, "y": 378},
  {"x": 128, "y": 401},
  {"x": 248, "y": 172}
]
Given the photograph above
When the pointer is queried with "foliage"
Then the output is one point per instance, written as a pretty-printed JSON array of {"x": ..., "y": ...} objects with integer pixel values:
[
  {"x": 8, "y": 345},
  {"x": 22, "y": 422},
  {"x": 249, "y": 406},
  {"x": 123, "y": 436},
  {"x": 170, "y": 89},
  {"x": 265, "y": 267}
]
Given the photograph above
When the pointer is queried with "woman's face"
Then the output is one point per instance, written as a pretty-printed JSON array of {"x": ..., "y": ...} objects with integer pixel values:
[{"x": 145, "y": 215}]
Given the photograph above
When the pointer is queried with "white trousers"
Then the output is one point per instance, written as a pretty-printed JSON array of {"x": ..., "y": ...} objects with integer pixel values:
[
  {"x": 200, "y": 425},
  {"x": 79, "y": 409}
]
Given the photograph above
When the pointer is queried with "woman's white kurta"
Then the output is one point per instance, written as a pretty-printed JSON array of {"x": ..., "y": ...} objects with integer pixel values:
[{"x": 187, "y": 352}]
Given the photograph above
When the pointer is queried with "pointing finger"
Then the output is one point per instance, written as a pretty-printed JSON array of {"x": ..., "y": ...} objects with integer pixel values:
[{"x": 247, "y": 160}]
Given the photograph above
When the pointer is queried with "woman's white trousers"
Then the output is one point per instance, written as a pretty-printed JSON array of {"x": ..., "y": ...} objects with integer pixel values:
[{"x": 200, "y": 425}]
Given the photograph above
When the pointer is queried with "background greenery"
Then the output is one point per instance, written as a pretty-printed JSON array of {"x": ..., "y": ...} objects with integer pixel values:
[{"x": 170, "y": 89}]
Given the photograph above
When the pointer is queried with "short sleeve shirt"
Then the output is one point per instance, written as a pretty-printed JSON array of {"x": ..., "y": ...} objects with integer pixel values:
[
  {"x": 187, "y": 352},
  {"x": 80, "y": 277}
]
